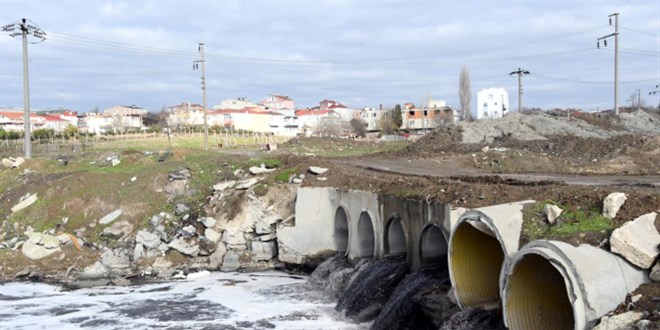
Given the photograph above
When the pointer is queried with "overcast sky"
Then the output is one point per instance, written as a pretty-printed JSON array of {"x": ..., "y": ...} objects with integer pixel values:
[{"x": 362, "y": 53}]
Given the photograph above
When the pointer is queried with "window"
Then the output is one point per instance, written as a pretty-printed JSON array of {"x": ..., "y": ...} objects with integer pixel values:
[
  {"x": 227, "y": 116},
  {"x": 411, "y": 123},
  {"x": 485, "y": 104},
  {"x": 412, "y": 113},
  {"x": 426, "y": 113},
  {"x": 373, "y": 115},
  {"x": 495, "y": 103},
  {"x": 490, "y": 96}
]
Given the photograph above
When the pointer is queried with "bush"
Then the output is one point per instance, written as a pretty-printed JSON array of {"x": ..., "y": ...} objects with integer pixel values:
[{"x": 43, "y": 133}]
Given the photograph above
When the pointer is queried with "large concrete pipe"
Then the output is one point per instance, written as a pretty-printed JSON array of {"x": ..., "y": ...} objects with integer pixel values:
[
  {"x": 554, "y": 285},
  {"x": 340, "y": 233},
  {"x": 365, "y": 236},
  {"x": 433, "y": 245},
  {"x": 395, "y": 238},
  {"x": 482, "y": 245}
]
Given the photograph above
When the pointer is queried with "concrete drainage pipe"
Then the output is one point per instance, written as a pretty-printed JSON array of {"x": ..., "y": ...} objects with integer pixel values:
[
  {"x": 482, "y": 244},
  {"x": 554, "y": 285}
]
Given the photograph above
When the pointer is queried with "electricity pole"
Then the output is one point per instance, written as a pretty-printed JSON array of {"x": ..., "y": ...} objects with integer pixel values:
[
  {"x": 520, "y": 72},
  {"x": 196, "y": 66},
  {"x": 616, "y": 57},
  {"x": 25, "y": 28}
]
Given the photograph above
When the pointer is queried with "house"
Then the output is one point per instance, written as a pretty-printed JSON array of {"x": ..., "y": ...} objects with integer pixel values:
[
  {"x": 254, "y": 119},
  {"x": 64, "y": 114},
  {"x": 492, "y": 103},
  {"x": 278, "y": 103},
  {"x": 344, "y": 112},
  {"x": 185, "y": 114},
  {"x": 235, "y": 104},
  {"x": 56, "y": 123},
  {"x": 372, "y": 117},
  {"x": 285, "y": 125},
  {"x": 423, "y": 119},
  {"x": 14, "y": 121},
  {"x": 95, "y": 123},
  {"x": 126, "y": 116},
  {"x": 313, "y": 120}
]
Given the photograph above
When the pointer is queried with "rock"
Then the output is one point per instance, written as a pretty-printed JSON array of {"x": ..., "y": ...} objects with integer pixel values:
[
  {"x": 148, "y": 239},
  {"x": 644, "y": 325},
  {"x": 163, "y": 247},
  {"x": 138, "y": 252},
  {"x": 118, "y": 229},
  {"x": 637, "y": 241},
  {"x": 322, "y": 179},
  {"x": 234, "y": 238},
  {"x": 188, "y": 231},
  {"x": 39, "y": 246},
  {"x": 200, "y": 274},
  {"x": 25, "y": 203},
  {"x": 635, "y": 298},
  {"x": 190, "y": 249},
  {"x": 6, "y": 162},
  {"x": 245, "y": 184},
  {"x": 612, "y": 203},
  {"x": 161, "y": 263},
  {"x": 212, "y": 235},
  {"x": 179, "y": 276},
  {"x": 133, "y": 179},
  {"x": 262, "y": 228},
  {"x": 115, "y": 259},
  {"x": 256, "y": 170},
  {"x": 180, "y": 174},
  {"x": 552, "y": 212},
  {"x": 619, "y": 322},
  {"x": 222, "y": 186},
  {"x": 95, "y": 271},
  {"x": 115, "y": 162},
  {"x": 18, "y": 162},
  {"x": 230, "y": 262},
  {"x": 268, "y": 237},
  {"x": 155, "y": 220},
  {"x": 317, "y": 170},
  {"x": 110, "y": 217},
  {"x": 181, "y": 208},
  {"x": 207, "y": 221},
  {"x": 655, "y": 272},
  {"x": 239, "y": 172},
  {"x": 485, "y": 149},
  {"x": 176, "y": 188},
  {"x": 297, "y": 180},
  {"x": 264, "y": 251},
  {"x": 215, "y": 260}
]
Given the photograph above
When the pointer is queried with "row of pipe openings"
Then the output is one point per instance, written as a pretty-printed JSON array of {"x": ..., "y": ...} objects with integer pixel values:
[
  {"x": 432, "y": 249},
  {"x": 543, "y": 287}
]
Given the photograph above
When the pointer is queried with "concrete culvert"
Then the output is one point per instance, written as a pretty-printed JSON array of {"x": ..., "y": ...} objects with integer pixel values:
[
  {"x": 555, "y": 285},
  {"x": 340, "y": 235},
  {"x": 433, "y": 245},
  {"x": 481, "y": 246},
  {"x": 365, "y": 236},
  {"x": 395, "y": 240}
]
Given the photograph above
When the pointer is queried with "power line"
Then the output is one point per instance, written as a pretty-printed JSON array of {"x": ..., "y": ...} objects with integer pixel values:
[
  {"x": 640, "y": 31},
  {"x": 595, "y": 82}
]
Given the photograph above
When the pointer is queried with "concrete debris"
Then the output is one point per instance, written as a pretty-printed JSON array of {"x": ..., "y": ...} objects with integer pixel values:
[
  {"x": 245, "y": 184},
  {"x": 115, "y": 259},
  {"x": 176, "y": 188},
  {"x": 6, "y": 162},
  {"x": 215, "y": 260},
  {"x": 39, "y": 246},
  {"x": 230, "y": 261},
  {"x": 257, "y": 170},
  {"x": 25, "y": 203},
  {"x": 268, "y": 237},
  {"x": 297, "y": 180},
  {"x": 222, "y": 186},
  {"x": 18, "y": 162},
  {"x": 637, "y": 241},
  {"x": 322, "y": 179},
  {"x": 190, "y": 249},
  {"x": 212, "y": 235},
  {"x": 239, "y": 173},
  {"x": 110, "y": 217},
  {"x": 161, "y": 263},
  {"x": 208, "y": 222},
  {"x": 188, "y": 231},
  {"x": 264, "y": 251},
  {"x": 95, "y": 271},
  {"x": 655, "y": 272},
  {"x": 118, "y": 229},
  {"x": 115, "y": 161},
  {"x": 133, "y": 179},
  {"x": 317, "y": 170},
  {"x": 612, "y": 203},
  {"x": 619, "y": 322},
  {"x": 200, "y": 274},
  {"x": 485, "y": 149},
  {"x": 552, "y": 212},
  {"x": 139, "y": 252},
  {"x": 234, "y": 238},
  {"x": 181, "y": 209},
  {"x": 148, "y": 239}
]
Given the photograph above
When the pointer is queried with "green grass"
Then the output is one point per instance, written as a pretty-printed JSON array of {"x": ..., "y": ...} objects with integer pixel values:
[
  {"x": 570, "y": 222},
  {"x": 283, "y": 175}
]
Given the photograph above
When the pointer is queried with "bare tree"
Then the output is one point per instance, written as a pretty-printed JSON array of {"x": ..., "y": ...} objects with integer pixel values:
[
  {"x": 465, "y": 94},
  {"x": 358, "y": 127}
]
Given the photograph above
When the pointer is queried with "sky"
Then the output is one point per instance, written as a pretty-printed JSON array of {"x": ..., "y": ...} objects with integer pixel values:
[{"x": 99, "y": 54}]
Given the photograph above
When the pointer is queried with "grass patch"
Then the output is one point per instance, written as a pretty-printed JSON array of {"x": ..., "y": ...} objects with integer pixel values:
[
  {"x": 572, "y": 221},
  {"x": 260, "y": 189},
  {"x": 285, "y": 174}
]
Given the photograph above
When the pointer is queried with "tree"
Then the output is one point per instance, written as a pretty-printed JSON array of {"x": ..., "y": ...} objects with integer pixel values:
[
  {"x": 387, "y": 124},
  {"x": 358, "y": 127},
  {"x": 397, "y": 120},
  {"x": 71, "y": 131},
  {"x": 465, "y": 94}
]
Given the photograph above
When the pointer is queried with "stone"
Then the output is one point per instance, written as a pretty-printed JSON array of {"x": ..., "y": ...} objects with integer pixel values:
[
  {"x": 133, "y": 179},
  {"x": 256, "y": 170},
  {"x": 176, "y": 188},
  {"x": 212, "y": 235},
  {"x": 95, "y": 271},
  {"x": 268, "y": 237},
  {"x": 118, "y": 229},
  {"x": 181, "y": 208},
  {"x": 322, "y": 179},
  {"x": 317, "y": 170},
  {"x": 230, "y": 262},
  {"x": 208, "y": 222},
  {"x": 188, "y": 231},
  {"x": 18, "y": 162},
  {"x": 39, "y": 246},
  {"x": 115, "y": 259},
  {"x": 264, "y": 251},
  {"x": 115, "y": 162},
  {"x": 297, "y": 180},
  {"x": 637, "y": 241},
  {"x": 262, "y": 228},
  {"x": 110, "y": 217},
  {"x": 234, "y": 238},
  {"x": 200, "y": 274},
  {"x": 215, "y": 259},
  {"x": 25, "y": 203},
  {"x": 155, "y": 220},
  {"x": 187, "y": 248},
  {"x": 222, "y": 186},
  {"x": 485, "y": 149},
  {"x": 138, "y": 252},
  {"x": 148, "y": 239},
  {"x": 655, "y": 272},
  {"x": 619, "y": 322},
  {"x": 6, "y": 162},
  {"x": 245, "y": 184},
  {"x": 552, "y": 212},
  {"x": 163, "y": 247},
  {"x": 612, "y": 203},
  {"x": 644, "y": 325}
]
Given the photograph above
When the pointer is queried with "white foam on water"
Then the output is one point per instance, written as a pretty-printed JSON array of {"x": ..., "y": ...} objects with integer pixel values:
[{"x": 219, "y": 301}]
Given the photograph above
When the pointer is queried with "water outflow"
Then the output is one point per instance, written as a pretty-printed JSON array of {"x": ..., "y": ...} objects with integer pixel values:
[
  {"x": 419, "y": 302},
  {"x": 371, "y": 287}
]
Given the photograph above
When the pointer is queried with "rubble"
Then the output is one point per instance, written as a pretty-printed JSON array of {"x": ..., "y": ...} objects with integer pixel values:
[
  {"x": 612, "y": 203},
  {"x": 637, "y": 241}
]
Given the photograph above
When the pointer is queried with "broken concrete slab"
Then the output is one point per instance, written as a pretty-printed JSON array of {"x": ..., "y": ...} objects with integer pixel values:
[
  {"x": 18, "y": 162},
  {"x": 118, "y": 229},
  {"x": 257, "y": 170},
  {"x": 148, "y": 239},
  {"x": 212, "y": 235},
  {"x": 552, "y": 212},
  {"x": 318, "y": 170},
  {"x": 619, "y": 322},
  {"x": 222, "y": 186},
  {"x": 215, "y": 260},
  {"x": 264, "y": 251},
  {"x": 39, "y": 246},
  {"x": 25, "y": 203},
  {"x": 95, "y": 271},
  {"x": 245, "y": 184},
  {"x": 110, "y": 217},
  {"x": 230, "y": 261},
  {"x": 115, "y": 259},
  {"x": 187, "y": 248},
  {"x": 637, "y": 241},
  {"x": 612, "y": 204},
  {"x": 208, "y": 222}
]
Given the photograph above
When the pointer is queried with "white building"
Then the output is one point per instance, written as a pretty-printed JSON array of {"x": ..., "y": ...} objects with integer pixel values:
[
  {"x": 234, "y": 104},
  {"x": 285, "y": 125},
  {"x": 372, "y": 117},
  {"x": 492, "y": 103}
]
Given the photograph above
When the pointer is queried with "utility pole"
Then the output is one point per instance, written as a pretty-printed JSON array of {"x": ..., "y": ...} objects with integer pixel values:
[
  {"x": 25, "y": 28},
  {"x": 520, "y": 72},
  {"x": 616, "y": 57},
  {"x": 639, "y": 98},
  {"x": 195, "y": 67}
]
